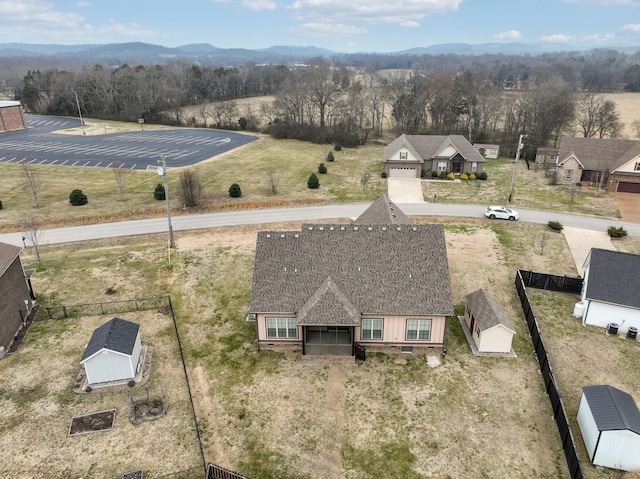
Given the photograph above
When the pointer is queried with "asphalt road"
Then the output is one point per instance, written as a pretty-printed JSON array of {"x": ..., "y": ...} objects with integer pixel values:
[
  {"x": 309, "y": 213},
  {"x": 140, "y": 150}
]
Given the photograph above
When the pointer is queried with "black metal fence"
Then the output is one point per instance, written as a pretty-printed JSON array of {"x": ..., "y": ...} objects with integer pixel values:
[
  {"x": 552, "y": 282},
  {"x": 218, "y": 472},
  {"x": 559, "y": 412},
  {"x": 161, "y": 303}
]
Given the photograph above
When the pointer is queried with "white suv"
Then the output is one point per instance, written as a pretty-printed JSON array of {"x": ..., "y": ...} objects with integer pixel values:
[{"x": 501, "y": 212}]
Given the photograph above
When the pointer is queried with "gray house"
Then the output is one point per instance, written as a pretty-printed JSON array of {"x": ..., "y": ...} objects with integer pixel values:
[
  {"x": 410, "y": 155},
  {"x": 609, "y": 421},
  {"x": 329, "y": 287},
  {"x": 16, "y": 296},
  {"x": 113, "y": 352}
]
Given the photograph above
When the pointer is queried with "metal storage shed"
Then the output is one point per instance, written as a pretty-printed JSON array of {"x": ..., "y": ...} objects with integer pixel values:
[
  {"x": 113, "y": 352},
  {"x": 609, "y": 421}
]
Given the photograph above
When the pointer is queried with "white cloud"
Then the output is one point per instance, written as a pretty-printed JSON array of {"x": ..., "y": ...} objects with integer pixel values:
[
  {"x": 81, "y": 4},
  {"x": 632, "y": 27},
  {"x": 326, "y": 30},
  {"x": 600, "y": 37},
  {"x": 116, "y": 31},
  {"x": 409, "y": 24},
  {"x": 508, "y": 36},
  {"x": 259, "y": 4},
  {"x": 370, "y": 11},
  {"x": 556, "y": 38}
]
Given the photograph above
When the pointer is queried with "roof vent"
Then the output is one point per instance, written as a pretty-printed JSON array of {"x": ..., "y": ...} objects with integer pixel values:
[
  {"x": 310, "y": 228},
  {"x": 331, "y": 228},
  {"x": 282, "y": 235},
  {"x": 369, "y": 228},
  {"x": 321, "y": 228},
  {"x": 297, "y": 235},
  {"x": 342, "y": 228},
  {"x": 384, "y": 228},
  {"x": 414, "y": 228},
  {"x": 398, "y": 228},
  {"x": 268, "y": 235},
  {"x": 356, "y": 228}
]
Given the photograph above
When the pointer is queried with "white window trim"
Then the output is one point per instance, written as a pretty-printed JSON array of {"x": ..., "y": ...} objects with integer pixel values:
[
  {"x": 637, "y": 166},
  {"x": 290, "y": 323},
  {"x": 568, "y": 174},
  {"x": 372, "y": 329},
  {"x": 474, "y": 166},
  {"x": 442, "y": 166},
  {"x": 404, "y": 155},
  {"x": 420, "y": 328}
]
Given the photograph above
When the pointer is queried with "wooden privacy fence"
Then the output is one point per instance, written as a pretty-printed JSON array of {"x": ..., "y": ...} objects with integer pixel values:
[
  {"x": 551, "y": 282},
  {"x": 559, "y": 412}
]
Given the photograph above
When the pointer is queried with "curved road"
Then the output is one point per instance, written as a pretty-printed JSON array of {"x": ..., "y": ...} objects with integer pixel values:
[{"x": 308, "y": 213}]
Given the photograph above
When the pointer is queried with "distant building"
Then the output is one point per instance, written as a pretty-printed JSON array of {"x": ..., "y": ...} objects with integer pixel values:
[
  {"x": 12, "y": 116},
  {"x": 488, "y": 151}
]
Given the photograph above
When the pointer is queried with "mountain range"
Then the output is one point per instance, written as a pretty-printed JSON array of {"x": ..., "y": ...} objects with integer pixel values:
[{"x": 118, "y": 53}]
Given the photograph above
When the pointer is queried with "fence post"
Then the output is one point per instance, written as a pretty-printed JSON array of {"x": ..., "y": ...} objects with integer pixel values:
[{"x": 64, "y": 312}]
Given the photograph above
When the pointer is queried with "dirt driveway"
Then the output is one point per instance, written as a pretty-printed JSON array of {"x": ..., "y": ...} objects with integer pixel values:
[{"x": 629, "y": 206}]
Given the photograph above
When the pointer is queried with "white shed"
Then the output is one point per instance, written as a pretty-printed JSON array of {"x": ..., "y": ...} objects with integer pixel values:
[
  {"x": 610, "y": 289},
  {"x": 609, "y": 421},
  {"x": 113, "y": 352},
  {"x": 490, "y": 328}
]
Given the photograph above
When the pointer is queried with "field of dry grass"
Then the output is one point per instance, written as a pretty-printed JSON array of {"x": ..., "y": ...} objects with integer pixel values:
[{"x": 628, "y": 106}]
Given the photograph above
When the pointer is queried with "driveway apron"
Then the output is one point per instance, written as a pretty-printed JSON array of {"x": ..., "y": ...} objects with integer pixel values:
[{"x": 405, "y": 190}]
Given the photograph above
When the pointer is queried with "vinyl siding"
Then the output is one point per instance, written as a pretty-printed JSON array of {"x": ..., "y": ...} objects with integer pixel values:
[{"x": 601, "y": 314}]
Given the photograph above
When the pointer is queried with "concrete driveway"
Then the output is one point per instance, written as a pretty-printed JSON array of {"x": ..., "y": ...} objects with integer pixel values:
[
  {"x": 580, "y": 242},
  {"x": 405, "y": 190}
]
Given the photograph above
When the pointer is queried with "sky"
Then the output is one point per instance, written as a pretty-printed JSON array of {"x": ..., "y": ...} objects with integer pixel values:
[{"x": 339, "y": 25}]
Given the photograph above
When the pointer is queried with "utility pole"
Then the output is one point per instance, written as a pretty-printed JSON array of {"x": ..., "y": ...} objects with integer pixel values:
[
  {"x": 162, "y": 171},
  {"x": 79, "y": 112},
  {"x": 515, "y": 168}
]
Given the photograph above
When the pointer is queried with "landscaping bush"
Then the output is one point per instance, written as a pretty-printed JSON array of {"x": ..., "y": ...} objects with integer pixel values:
[
  {"x": 235, "y": 191},
  {"x": 383, "y": 175},
  {"x": 159, "y": 193},
  {"x": 464, "y": 176},
  {"x": 337, "y": 147},
  {"x": 313, "y": 182},
  {"x": 434, "y": 174},
  {"x": 78, "y": 198},
  {"x": 482, "y": 175},
  {"x": 472, "y": 176},
  {"x": 322, "y": 169},
  {"x": 329, "y": 157},
  {"x": 555, "y": 225},
  {"x": 616, "y": 232},
  {"x": 451, "y": 176}
]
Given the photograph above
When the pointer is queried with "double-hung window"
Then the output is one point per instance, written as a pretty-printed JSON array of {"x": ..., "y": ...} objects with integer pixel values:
[
  {"x": 418, "y": 329},
  {"x": 568, "y": 174},
  {"x": 474, "y": 166},
  {"x": 442, "y": 166},
  {"x": 371, "y": 329},
  {"x": 282, "y": 328}
]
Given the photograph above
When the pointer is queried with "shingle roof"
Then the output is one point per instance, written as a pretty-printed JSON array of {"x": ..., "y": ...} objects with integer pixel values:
[
  {"x": 613, "y": 277},
  {"x": 383, "y": 212},
  {"x": 427, "y": 147},
  {"x": 115, "y": 335},
  {"x": 8, "y": 254},
  {"x": 612, "y": 409},
  {"x": 487, "y": 311},
  {"x": 328, "y": 306},
  {"x": 599, "y": 153},
  {"x": 380, "y": 269}
]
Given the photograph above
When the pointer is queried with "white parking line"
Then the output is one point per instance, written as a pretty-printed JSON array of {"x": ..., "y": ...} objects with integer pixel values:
[
  {"x": 76, "y": 163},
  {"x": 86, "y": 163},
  {"x": 64, "y": 162},
  {"x": 95, "y": 166}
]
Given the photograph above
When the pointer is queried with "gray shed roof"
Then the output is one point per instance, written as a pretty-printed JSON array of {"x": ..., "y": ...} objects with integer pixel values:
[
  {"x": 428, "y": 147},
  {"x": 8, "y": 254},
  {"x": 380, "y": 269},
  {"x": 383, "y": 212},
  {"x": 614, "y": 277},
  {"x": 612, "y": 409},
  {"x": 599, "y": 153},
  {"x": 115, "y": 335},
  {"x": 487, "y": 311}
]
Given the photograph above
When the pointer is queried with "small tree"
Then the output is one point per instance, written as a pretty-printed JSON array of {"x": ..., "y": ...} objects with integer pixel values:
[
  {"x": 272, "y": 181},
  {"x": 119, "y": 176},
  {"x": 78, "y": 198},
  {"x": 159, "y": 193},
  {"x": 329, "y": 157},
  {"x": 322, "y": 169},
  {"x": 32, "y": 181},
  {"x": 33, "y": 232},
  {"x": 313, "y": 182},
  {"x": 190, "y": 188},
  {"x": 364, "y": 179},
  {"x": 337, "y": 147},
  {"x": 234, "y": 191}
]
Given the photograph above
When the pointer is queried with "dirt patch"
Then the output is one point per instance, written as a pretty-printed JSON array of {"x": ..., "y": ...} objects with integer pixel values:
[
  {"x": 147, "y": 410},
  {"x": 99, "y": 421},
  {"x": 629, "y": 206}
]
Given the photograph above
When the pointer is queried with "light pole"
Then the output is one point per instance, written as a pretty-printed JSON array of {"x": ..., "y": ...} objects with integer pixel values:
[
  {"x": 79, "y": 112},
  {"x": 515, "y": 168},
  {"x": 162, "y": 171}
]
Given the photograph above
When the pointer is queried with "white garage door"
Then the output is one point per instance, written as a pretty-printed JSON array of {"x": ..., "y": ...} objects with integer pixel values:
[{"x": 403, "y": 172}]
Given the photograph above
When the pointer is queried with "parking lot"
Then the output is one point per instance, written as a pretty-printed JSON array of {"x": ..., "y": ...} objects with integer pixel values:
[{"x": 39, "y": 144}]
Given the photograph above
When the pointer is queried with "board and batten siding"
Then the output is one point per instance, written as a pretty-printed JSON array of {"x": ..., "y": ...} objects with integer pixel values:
[
  {"x": 602, "y": 314},
  {"x": 108, "y": 365},
  {"x": 394, "y": 330}
]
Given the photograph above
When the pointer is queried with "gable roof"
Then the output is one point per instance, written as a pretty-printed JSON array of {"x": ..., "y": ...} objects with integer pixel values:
[
  {"x": 380, "y": 269},
  {"x": 328, "y": 306},
  {"x": 383, "y": 212},
  {"x": 427, "y": 147},
  {"x": 115, "y": 335},
  {"x": 8, "y": 254},
  {"x": 543, "y": 150},
  {"x": 613, "y": 277},
  {"x": 612, "y": 409},
  {"x": 487, "y": 311},
  {"x": 598, "y": 153}
]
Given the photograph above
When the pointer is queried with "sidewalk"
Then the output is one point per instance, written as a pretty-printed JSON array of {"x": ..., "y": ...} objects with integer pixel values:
[{"x": 580, "y": 242}]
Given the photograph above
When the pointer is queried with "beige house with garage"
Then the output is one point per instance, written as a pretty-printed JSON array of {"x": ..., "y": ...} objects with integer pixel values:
[{"x": 417, "y": 156}]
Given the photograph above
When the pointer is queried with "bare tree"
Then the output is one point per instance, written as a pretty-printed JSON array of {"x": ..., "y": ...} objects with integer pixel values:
[
  {"x": 364, "y": 179},
  {"x": 272, "y": 180},
  {"x": 596, "y": 117},
  {"x": 190, "y": 188},
  {"x": 33, "y": 233},
  {"x": 119, "y": 176},
  {"x": 543, "y": 242},
  {"x": 32, "y": 181}
]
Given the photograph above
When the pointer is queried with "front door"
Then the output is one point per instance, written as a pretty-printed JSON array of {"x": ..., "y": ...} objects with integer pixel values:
[
  {"x": 456, "y": 167},
  {"x": 328, "y": 340}
]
